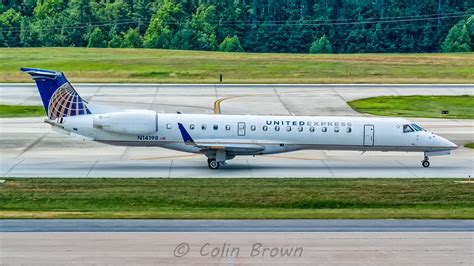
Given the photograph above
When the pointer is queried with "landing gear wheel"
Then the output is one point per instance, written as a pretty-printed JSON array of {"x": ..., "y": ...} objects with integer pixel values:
[
  {"x": 425, "y": 163},
  {"x": 213, "y": 164}
]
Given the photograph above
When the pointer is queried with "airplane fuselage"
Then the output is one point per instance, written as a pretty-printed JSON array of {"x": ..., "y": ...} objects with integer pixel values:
[
  {"x": 222, "y": 137},
  {"x": 273, "y": 134}
]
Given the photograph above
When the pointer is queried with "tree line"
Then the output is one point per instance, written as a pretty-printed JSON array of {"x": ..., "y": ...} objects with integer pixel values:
[{"x": 290, "y": 26}]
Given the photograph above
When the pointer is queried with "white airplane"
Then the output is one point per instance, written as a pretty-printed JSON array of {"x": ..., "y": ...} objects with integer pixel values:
[{"x": 222, "y": 137}]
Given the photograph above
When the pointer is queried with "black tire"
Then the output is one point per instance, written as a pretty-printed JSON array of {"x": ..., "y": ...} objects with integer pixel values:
[
  {"x": 425, "y": 164},
  {"x": 213, "y": 164}
]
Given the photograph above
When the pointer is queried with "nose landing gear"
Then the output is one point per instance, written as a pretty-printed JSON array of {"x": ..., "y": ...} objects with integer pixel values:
[{"x": 425, "y": 162}]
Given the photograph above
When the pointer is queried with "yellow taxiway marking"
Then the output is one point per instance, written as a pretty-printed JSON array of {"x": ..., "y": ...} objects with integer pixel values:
[{"x": 217, "y": 103}]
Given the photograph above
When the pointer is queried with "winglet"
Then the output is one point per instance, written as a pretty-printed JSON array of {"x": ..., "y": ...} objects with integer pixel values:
[{"x": 186, "y": 137}]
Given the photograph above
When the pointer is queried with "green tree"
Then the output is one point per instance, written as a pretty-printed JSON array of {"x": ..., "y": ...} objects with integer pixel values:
[
  {"x": 28, "y": 36},
  {"x": 27, "y": 7},
  {"x": 51, "y": 24},
  {"x": 163, "y": 25},
  {"x": 48, "y": 31},
  {"x": 231, "y": 44},
  {"x": 113, "y": 16},
  {"x": 132, "y": 39},
  {"x": 96, "y": 38},
  {"x": 458, "y": 39},
  {"x": 203, "y": 27},
  {"x": 470, "y": 28},
  {"x": 48, "y": 8},
  {"x": 321, "y": 46},
  {"x": 10, "y": 24},
  {"x": 79, "y": 13},
  {"x": 352, "y": 26},
  {"x": 116, "y": 41}
]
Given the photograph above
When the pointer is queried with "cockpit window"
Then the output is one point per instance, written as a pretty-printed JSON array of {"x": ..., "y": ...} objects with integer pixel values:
[
  {"x": 417, "y": 127},
  {"x": 407, "y": 129}
]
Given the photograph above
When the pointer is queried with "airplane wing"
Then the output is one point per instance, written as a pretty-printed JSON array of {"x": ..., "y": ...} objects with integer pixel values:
[{"x": 230, "y": 146}]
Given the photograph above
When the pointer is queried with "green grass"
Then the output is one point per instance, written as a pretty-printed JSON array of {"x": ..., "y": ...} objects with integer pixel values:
[
  {"x": 21, "y": 110},
  {"x": 469, "y": 145},
  {"x": 173, "y": 66},
  {"x": 417, "y": 106},
  {"x": 235, "y": 198}
]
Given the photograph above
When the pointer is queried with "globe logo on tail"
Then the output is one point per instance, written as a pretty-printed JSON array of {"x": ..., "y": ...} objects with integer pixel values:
[{"x": 66, "y": 102}]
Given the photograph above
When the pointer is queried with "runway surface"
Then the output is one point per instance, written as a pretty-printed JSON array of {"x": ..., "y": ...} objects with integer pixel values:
[
  {"x": 29, "y": 148},
  {"x": 359, "y": 248},
  {"x": 137, "y": 225},
  {"x": 308, "y": 242}
]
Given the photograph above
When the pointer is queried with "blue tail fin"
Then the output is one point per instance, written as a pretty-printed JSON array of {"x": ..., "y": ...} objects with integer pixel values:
[{"x": 59, "y": 98}]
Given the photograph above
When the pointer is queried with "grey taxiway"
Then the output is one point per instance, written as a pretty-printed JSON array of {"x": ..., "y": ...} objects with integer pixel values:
[
  {"x": 29, "y": 148},
  {"x": 122, "y": 242},
  {"x": 150, "y": 225}
]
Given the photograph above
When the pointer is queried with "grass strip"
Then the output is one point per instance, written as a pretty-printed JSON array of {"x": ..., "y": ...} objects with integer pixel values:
[
  {"x": 20, "y": 111},
  {"x": 104, "y": 65},
  {"x": 469, "y": 145},
  {"x": 265, "y": 198},
  {"x": 459, "y": 107}
]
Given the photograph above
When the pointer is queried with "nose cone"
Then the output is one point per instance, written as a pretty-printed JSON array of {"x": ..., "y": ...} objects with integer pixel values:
[
  {"x": 446, "y": 143},
  {"x": 453, "y": 146}
]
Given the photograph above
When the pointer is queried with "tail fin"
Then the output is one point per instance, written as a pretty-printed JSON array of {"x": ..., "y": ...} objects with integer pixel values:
[{"x": 59, "y": 98}]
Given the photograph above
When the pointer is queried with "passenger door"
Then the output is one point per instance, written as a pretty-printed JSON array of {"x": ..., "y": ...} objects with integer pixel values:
[
  {"x": 368, "y": 135},
  {"x": 241, "y": 129}
]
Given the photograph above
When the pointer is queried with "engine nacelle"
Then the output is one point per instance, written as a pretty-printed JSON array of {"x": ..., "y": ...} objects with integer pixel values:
[{"x": 137, "y": 122}]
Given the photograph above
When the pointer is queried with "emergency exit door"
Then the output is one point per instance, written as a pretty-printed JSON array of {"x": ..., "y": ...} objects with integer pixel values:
[
  {"x": 368, "y": 135},
  {"x": 241, "y": 129}
]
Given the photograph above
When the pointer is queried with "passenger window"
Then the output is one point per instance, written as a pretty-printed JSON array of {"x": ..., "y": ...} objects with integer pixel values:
[
  {"x": 216, "y": 127},
  {"x": 203, "y": 127},
  {"x": 407, "y": 129},
  {"x": 277, "y": 128},
  {"x": 192, "y": 126},
  {"x": 264, "y": 128},
  {"x": 288, "y": 128},
  {"x": 227, "y": 127},
  {"x": 253, "y": 127},
  {"x": 300, "y": 129},
  {"x": 311, "y": 129},
  {"x": 168, "y": 126},
  {"x": 325, "y": 129},
  {"x": 336, "y": 129},
  {"x": 348, "y": 130}
]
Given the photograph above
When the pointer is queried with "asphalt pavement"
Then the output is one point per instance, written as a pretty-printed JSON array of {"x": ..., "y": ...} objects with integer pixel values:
[
  {"x": 151, "y": 225},
  {"x": 28, "y": 147}
]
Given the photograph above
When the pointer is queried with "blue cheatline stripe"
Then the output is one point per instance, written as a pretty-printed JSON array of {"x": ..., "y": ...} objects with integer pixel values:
[{"x": 186, "y": 137}]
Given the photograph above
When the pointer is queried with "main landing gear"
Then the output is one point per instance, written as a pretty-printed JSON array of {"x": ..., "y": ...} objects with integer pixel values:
[
  {"x": 218, "y": 159},
  {"x": 213, "y": 164},
  {"x": 425, "y": 162}
]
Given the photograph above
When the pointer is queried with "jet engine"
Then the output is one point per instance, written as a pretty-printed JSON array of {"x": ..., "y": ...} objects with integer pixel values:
[{"x": 137, "y": 122}]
